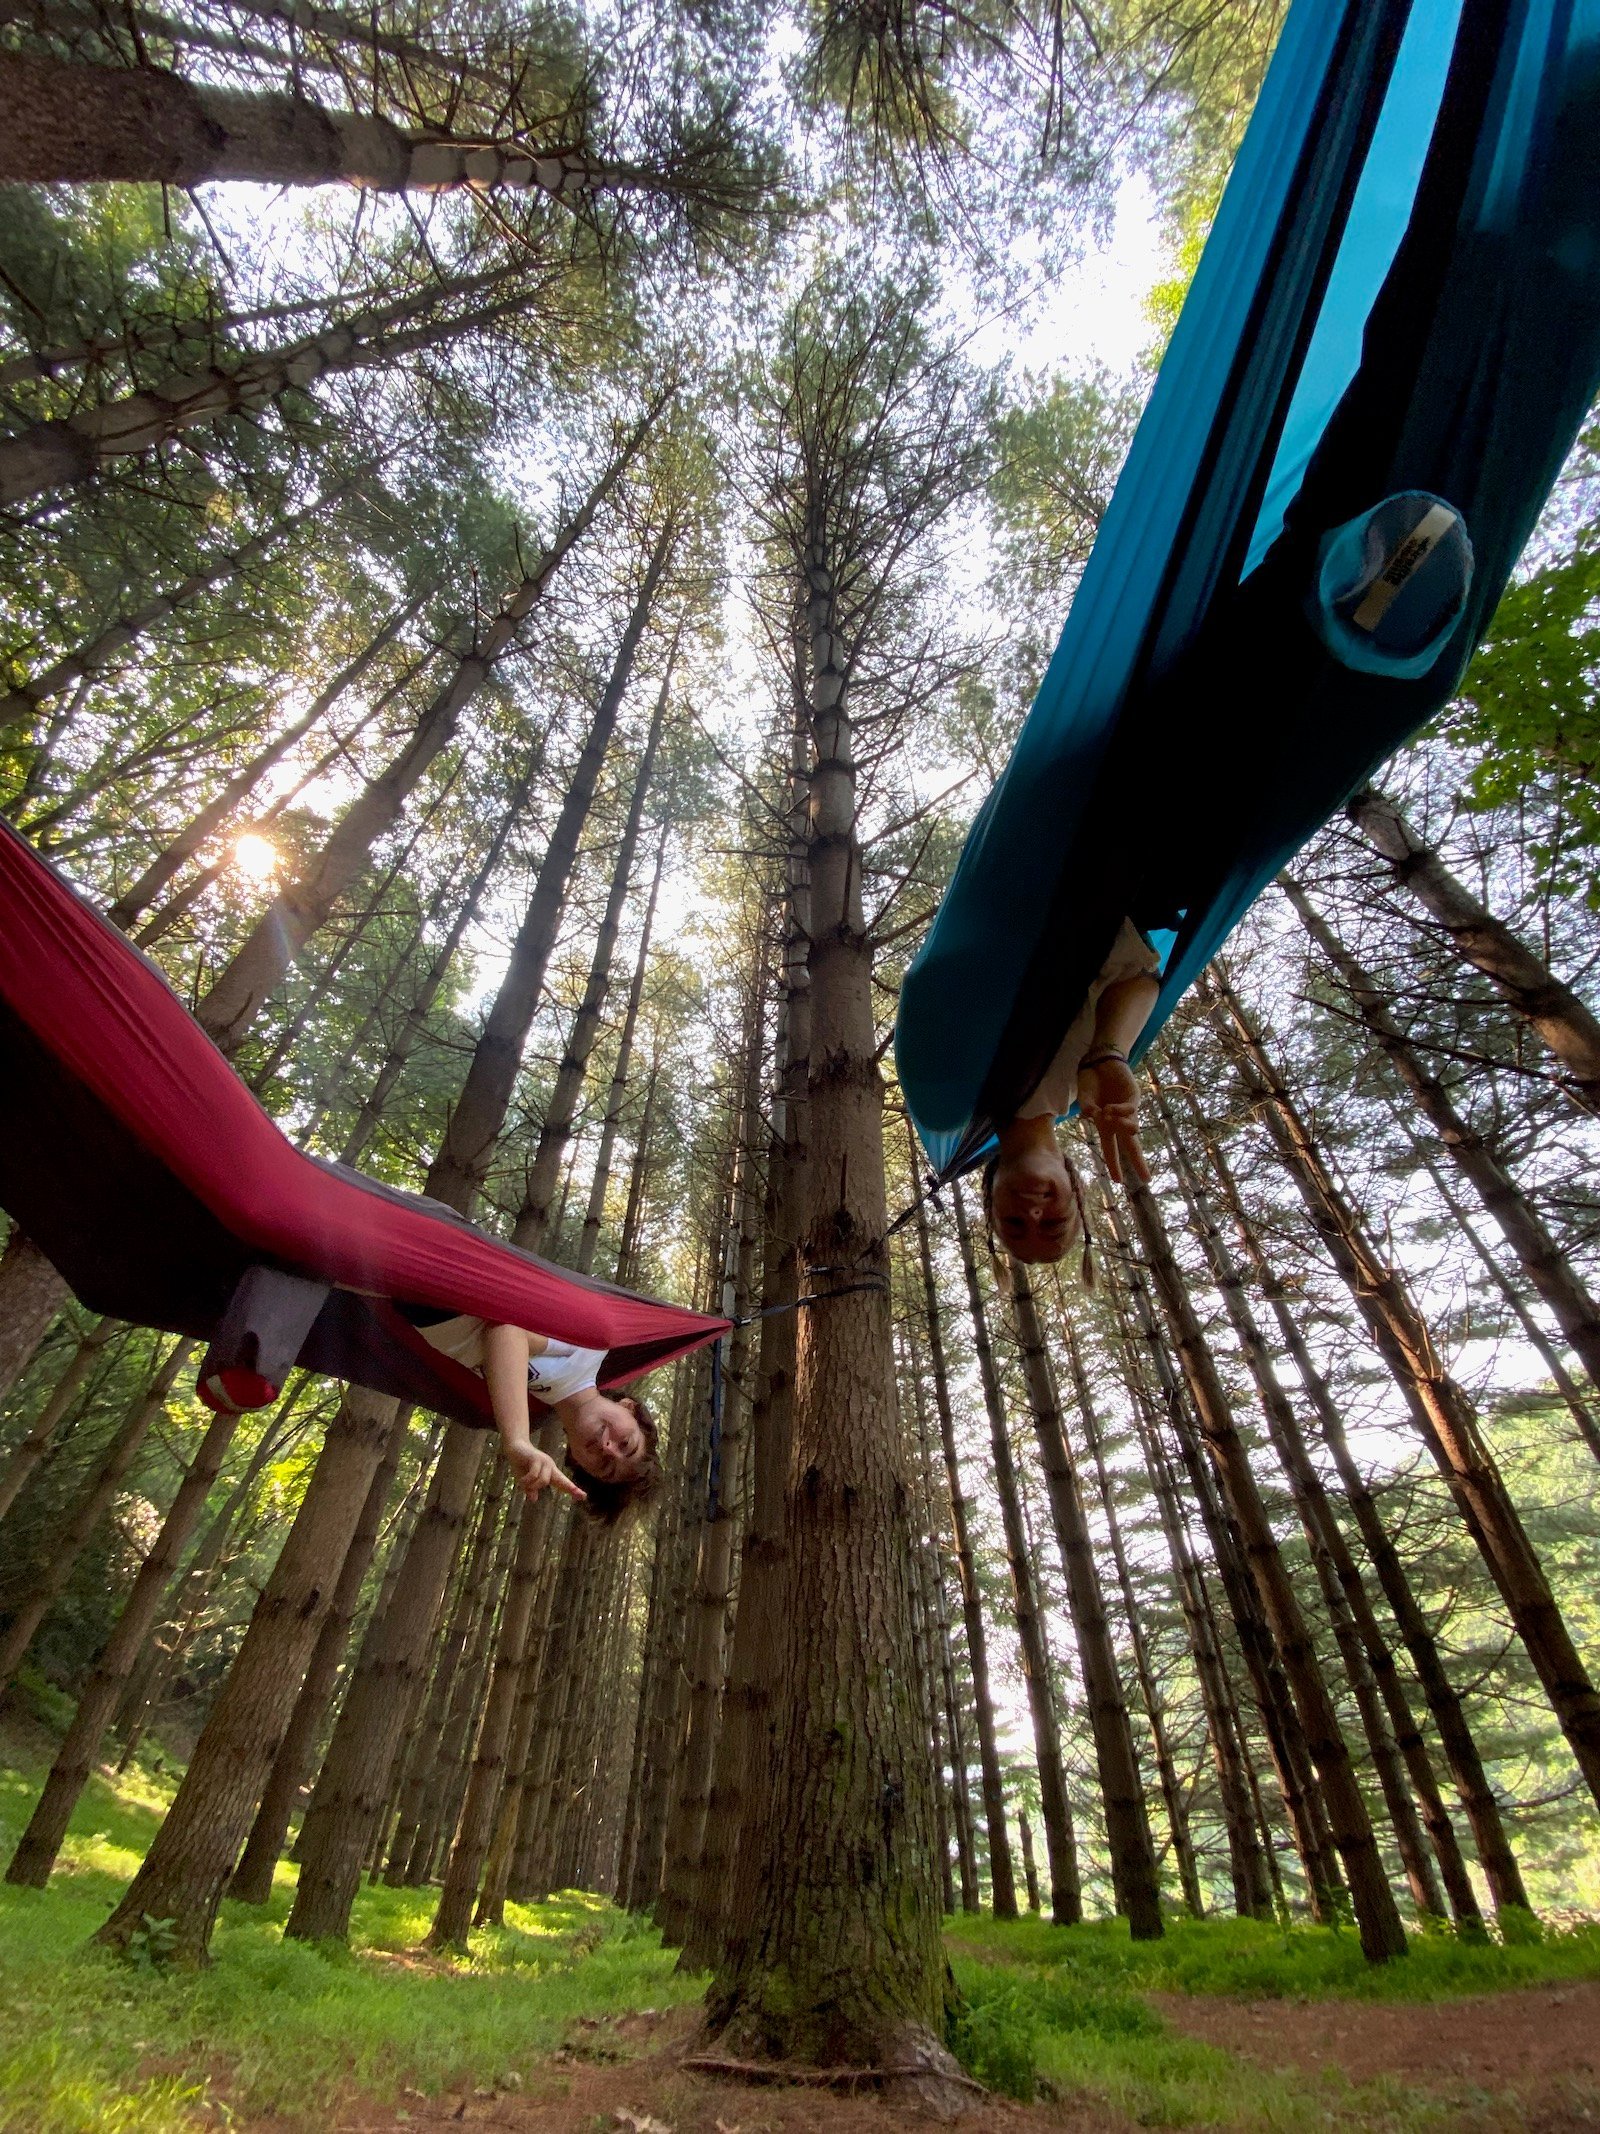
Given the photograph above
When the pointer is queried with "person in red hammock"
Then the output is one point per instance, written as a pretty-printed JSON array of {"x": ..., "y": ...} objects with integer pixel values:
[
  {"x": 1031, "y": 1192},
  {"x": 611, "y": 1464}
]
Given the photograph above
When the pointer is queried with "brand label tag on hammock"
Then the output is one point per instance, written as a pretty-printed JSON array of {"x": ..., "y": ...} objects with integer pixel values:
[
  {"x": 1392, "y": 585},
  {"x": 1412, "y": 553}
]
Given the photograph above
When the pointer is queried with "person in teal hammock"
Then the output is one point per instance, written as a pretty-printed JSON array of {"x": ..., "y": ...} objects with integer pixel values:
[{"x": 1031, "y": 1190}]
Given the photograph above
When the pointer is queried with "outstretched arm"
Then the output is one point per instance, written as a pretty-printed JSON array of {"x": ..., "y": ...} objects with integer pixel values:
[
  {"x": 505, "y": 1370},
  {"x": 1108, "y": 1095}
]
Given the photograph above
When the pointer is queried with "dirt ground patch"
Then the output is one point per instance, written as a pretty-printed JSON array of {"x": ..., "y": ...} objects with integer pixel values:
[
  {"x": 1535, "y": 2052},
  {"x": 589, "y": 2092}
]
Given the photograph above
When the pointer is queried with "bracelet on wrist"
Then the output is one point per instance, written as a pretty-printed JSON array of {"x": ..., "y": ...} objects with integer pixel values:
[{"x": 1106, "y": 1052}]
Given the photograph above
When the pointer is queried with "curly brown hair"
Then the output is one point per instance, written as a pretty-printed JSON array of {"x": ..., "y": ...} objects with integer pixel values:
[{"x": 609, "y": 1502}]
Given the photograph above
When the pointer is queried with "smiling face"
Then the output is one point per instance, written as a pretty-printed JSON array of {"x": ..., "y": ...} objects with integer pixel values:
[
  {"x": 1032, "y": 1205},
  {"x": 606, "y": 1440}
]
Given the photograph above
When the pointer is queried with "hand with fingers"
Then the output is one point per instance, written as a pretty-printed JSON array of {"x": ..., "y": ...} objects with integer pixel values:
[
  {"x": 535, "y": 1471},
  {"x": 1108, "y": 1099}
]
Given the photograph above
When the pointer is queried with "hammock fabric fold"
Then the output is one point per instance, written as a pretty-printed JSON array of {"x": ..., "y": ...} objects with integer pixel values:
[
  {"x": 1391, "y": 342},
  {"x": 143, "y": 1168}
]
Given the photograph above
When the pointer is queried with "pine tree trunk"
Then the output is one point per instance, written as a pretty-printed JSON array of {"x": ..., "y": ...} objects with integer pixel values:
[
  {"x": 556, "y": 1131},
  {"x": 1149, "y": 1689},
  {"x": 1407, "y": 1734},
  {"x": 65, "y": 123},
  {"x": 36, "y": 1852},
  {"x": 1286, "y": 1741},
  {"x": 1134, "y": 1880},
  {"x": 66, "y": 450},
  {"x": 187, "y": 1595},
  {"x": 27, "y": 1455},
  {"x": 1562, "y": 1020},
  {"x": 454, "y": 1915},
  {"x": 1330, "y": 1556},
  {"x": 1440, "y": 1407},
  {"x": 447, "y": 1783},
  {"x": 137, "y": 899},
  {"x": 1547, "y": 1267},
  {"x": 97, "y": 653},
  {"x": 944, "y": 1655},
  {"x": 1382, "y": 1935},
  {"x": 291, "y": 1767},
  {"x": 31, "y": 1293},
  {"x": 367, "y": 1119},
  {"x": 843, "y": 1971},
  {"x": 1002, "y": 1882},
  {"x": 66, "y": 1546},
  {"x": 257, "y": 967},
  {"x": 407, "y": 1864},
  {"x": 1066, "y": 1895},
  {"x": 186, "y": 1870},
  {"x": 689, "y": 1913},
  {"x": 594, "y": 1214}
]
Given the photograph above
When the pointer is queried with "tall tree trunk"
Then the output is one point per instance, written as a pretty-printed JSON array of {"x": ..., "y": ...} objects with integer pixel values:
[
  {"x": 1149, "y": 1688},
  {"x": 594, "y": 1214},
  {"x": 1547, "y": 1267},
  {"x": 31, "y": 1293},
  {"x": 404, "y": 1042},
  {"x": 1448, "y": 1717},
  {"x": 560, "y": 1112},
  {"x": 407, "y": 1862},
  {"x": 1440, "y": 1407},
  {"x": 1330, "y": 1555},
  {"x": 1066, "y": 1894},
  {"x": 291, "y": 1767},
  {"x": 186, "y": 1870},
  {"x": 65, "y": 450},
  {"x": 1252, "y": 1887},
  {"x": 944, "y": 1654},
  {"x": 97, "y": 652},
  {"x": 1561, "y": 1019},
  {"x": 65, "y": 123},
  {"x": 1578, "y": 1407},
  {"x": 1002, "y": 1880},
  {"x": 454, "y": 1915},
  {"x": 1285, "y": 1737},
  {"x": 691, "y": 1909},
  {"x": 843, "y": 1971},
  {"x": 1134, "y": 1880},
  {"x": 1382, "y": 1935},
  {"x": 30, "y": 1451},
  {"x": 66, "y": 1546},
  {"x": 206, "y": 821},
  {"x": 40, "y": 1843},
  {"x": 297, "y": 911}
]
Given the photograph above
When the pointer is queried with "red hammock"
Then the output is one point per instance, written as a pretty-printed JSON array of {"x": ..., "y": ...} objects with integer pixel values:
[{"x": 139, "y": 1163}]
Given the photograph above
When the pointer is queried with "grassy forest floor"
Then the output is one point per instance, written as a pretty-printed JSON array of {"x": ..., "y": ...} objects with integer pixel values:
[{"x": 572, "y": 2019}]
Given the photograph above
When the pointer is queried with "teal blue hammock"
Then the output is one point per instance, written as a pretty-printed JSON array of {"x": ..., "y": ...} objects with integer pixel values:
[{"x": 1391, "y": 342}]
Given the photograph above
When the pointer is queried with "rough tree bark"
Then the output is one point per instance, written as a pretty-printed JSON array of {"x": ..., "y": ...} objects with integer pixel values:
[
  {"x": 1378, "y": 1919},
  {"x": 1134, "y": 1880},
  {"x": 1547, "y": 1267},
  {"x": 1562, "y": 1020},
  {"x": 1440, "y": 1407},
  {"x": 1002, "y": 1878}
]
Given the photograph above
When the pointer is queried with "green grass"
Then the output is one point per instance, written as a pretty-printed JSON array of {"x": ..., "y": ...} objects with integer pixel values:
[
  {"x": 1060, "y": 2009},
  {"x": 1245, "y": 1956},
  {"x": 93, "y": 2045}
]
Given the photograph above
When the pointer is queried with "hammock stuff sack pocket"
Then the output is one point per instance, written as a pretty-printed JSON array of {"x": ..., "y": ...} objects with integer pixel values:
[{"x": 1392, "y": 339}]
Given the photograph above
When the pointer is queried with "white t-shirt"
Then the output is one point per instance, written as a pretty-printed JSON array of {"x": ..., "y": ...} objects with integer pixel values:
[
  {"x": 1057, "y": 1091},
  {"x": 563, "y": 1370}
]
